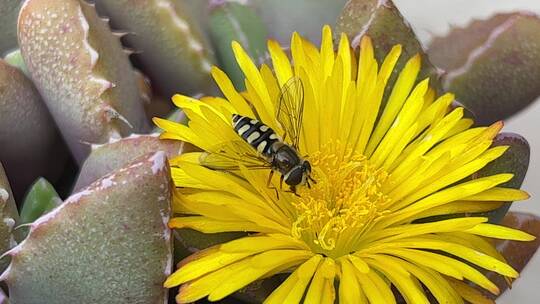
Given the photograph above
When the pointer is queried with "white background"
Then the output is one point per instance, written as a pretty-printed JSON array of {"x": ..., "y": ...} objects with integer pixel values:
[{"x": 434, "y": 17}]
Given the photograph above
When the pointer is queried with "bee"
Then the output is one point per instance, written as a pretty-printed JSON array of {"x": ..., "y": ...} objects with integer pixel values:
[{"x": 267, "y": 150}]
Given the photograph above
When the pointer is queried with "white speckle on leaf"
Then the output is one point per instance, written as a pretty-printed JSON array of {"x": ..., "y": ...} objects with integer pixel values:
[
  {"x": 107, "y": 182},
  {"x": 9, "y": 222},
  {"x": 4, "y": 195},
  {"x": 159, "y": 162},
  {"x": 72, "y": 199}
]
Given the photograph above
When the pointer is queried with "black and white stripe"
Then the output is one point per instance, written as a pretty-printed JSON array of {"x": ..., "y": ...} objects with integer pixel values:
[{"x": 258, "y": 135}]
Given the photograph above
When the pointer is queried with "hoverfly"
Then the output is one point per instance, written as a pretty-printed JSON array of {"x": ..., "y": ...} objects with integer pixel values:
[{"x": 268, "y": 150}]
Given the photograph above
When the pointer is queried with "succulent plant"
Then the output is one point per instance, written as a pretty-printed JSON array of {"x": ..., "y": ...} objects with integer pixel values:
[
  {"x": 9, "y": 216},
  {"x": 113, "y": 234},
  {"x": 492, "y": 65},
  {"x": 40, "y": 199},
  {"x": 82, "y": 72},
  {"x": 304, "y": 16},
  {"x": 517, "y": 254},
  {"x": 15, "y": 59},
  {"x": 111, "y": 156},
  {"x": 26, "y": 127},
  {"x": 383, "y": 22},
  {"x": 95, "y": 73},
  {"x": 174, "y": 52}
]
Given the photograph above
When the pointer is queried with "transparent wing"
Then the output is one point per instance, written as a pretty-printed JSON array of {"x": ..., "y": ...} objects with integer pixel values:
[
  {"x": 229, "y": 156},
  {"x": 290, "y": 109}
]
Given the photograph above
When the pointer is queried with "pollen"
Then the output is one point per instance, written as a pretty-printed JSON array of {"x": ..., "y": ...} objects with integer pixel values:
[{"x": 345, "y": 202}]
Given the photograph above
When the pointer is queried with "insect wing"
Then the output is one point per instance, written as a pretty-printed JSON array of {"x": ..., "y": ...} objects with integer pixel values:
[
  {"x": 290, "y": 109},
  {"x": 231, "y": 155}
]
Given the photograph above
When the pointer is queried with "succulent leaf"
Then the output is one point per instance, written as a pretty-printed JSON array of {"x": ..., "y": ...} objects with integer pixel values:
[
  {"x": 517, "y": 254},
  {"x": 306, "y": 17},
  {"x": 113, "y": 234},
  {"x": 9, "y": 9},
  {"x": 41, "y": 199},
  {"x": 154, "y": 105},
  {"x": 30, "y": 144},
  {"x": 15, "y": 59},
  {"x": 173, "y": 50},
  {"x": 515, "y": 160},
  {"x": 493, "y": 65},
  {"x": 82, "y": 71},
  {"x": 230, "y": 21},
  {"x": 117, "y": 153},
  {"x": 382, "y": 21},
  {"x": 9, "y": 217}
]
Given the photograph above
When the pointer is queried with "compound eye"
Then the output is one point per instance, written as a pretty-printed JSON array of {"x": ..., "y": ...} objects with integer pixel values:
[{"x": 294, "y": 177}]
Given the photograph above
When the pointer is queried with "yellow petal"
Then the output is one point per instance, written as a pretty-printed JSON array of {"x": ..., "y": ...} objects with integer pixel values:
[
  {"x": 201, "y": 263},
  {"x": 226, "y": 86},
  {"x": 263, "y": 243},
  {"x": 400, "y": 91},
  {"x": 265, "y": 108},
  {"x": 434, "y": 282},
  {"x": 349, "y": 291},
  {"x": 317, "y": 287},
  {"x": 406, "y": 284},
  {"x": 266, "y": 263},
  {"x": 500, "y": 232},
  {"x": 500, "y": 194},
  {"x": 292, "y": 290},
  {"x": 208, "y": 225}
]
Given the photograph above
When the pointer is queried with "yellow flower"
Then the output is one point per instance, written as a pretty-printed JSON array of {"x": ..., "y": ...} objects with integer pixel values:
[{"x": 380, "y": 167}]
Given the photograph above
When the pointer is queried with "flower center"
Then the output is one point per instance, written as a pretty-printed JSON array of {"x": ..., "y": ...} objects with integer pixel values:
[{"x": 347, "y": 200}]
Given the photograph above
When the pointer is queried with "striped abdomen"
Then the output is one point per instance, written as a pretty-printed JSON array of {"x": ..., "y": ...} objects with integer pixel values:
[{"x": 258, "y": 135}]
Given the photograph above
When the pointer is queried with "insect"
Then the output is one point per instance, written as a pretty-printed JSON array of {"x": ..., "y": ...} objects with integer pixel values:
[{"x": 268, "y": 150}]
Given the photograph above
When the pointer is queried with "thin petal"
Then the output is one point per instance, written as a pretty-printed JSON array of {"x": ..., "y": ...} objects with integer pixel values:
[{"x": 292, "y": 290}]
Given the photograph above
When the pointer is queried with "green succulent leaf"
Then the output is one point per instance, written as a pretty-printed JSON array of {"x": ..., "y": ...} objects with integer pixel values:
[
  {"x": 107, "y": 244},
  {"x": 170, "y": 45},
  {"x": 492, "y": 65},
  {"x": 82, "y": 71},
  {"x": 41, "y": 199},
  {"x": 306, "y": 17},
  {"x": 15, "y": 59},
  {"x": 30, "y": 143},
  {"x": 234, "y": 21}
]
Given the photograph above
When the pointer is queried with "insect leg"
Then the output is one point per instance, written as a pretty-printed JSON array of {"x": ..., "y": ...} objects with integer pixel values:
[
  {"x": 281, "y": 182},
  {"x": 269, "y": 181},
  {"x": 292, "y": 189}
]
